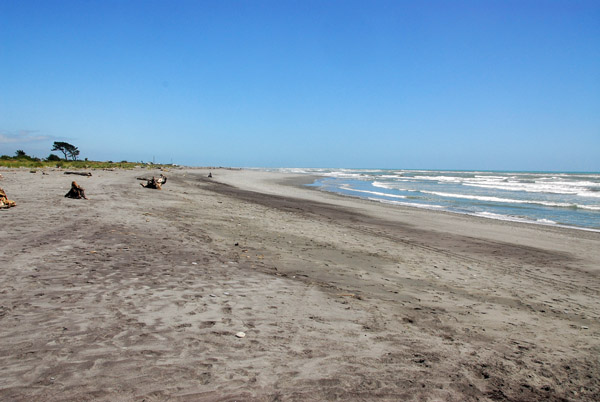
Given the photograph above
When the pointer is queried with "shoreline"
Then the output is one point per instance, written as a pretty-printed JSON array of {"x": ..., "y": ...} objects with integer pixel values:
[
  {"x": 489, "y": 211},
  {"x": 298, "y": 181},
  {"x": 139, "y": 294},
  {"x": 440, "y": 210}
]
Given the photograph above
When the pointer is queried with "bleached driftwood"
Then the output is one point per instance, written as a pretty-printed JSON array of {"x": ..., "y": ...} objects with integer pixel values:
[
  {"x": 154, "y": 182},
  {"x": 4, "y": 201},
  {"x": 88, "y": 174},
  {"x": 76, "y": 191}
]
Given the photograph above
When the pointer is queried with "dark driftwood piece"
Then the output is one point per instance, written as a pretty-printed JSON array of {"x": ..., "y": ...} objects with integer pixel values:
[
  {"x": 155, "y": 183},
  {"x": 76, "y": 192},
  {"x": 4, "y": 201},
  {"x": 88, "y": 174}
]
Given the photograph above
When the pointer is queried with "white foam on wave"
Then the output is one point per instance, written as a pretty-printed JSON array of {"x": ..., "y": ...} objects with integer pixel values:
[
  {"x": 295, "y": 170},
  {"x": 488, "y": 215},
  {"x": 556, "y": 190},
  {"x": 311, "y": 171},
  {"x": 446, "y": 179},
  {"x": 408, "y": 204},
  {"x": 513, "y": 201},
  {"x": 544, "y": 185},
  {"x": 588, "y": 207},
  {"x": 348, "y": 188},
  {"x": 528, "y": 182},
  {"x": 380, "y": 184},
  {"x": 594, "y": 194},
  {"x": 392, "y": 186},
  {"x": 470, "y": 197},
  {"x": 546, "y": 221},
  {"x": 509, "y": 218},
  {"x": 342, "y": 174},
  {"x": 582, "y": 185},
  {"x": 396, "y": 186}
]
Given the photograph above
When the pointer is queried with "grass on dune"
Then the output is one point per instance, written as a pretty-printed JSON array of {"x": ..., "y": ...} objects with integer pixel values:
[{"x": 33, "y": 164}]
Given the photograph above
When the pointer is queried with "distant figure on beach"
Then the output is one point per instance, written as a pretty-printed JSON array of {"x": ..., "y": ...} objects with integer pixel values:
[
  {"x": 76, "y": 192},
  {"x": 210, "y": 174}
]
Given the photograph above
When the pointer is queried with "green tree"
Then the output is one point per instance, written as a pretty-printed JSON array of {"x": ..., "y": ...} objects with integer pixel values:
[
  {"x": 67, "y": 149},
  {"x": 20, "y": 153}
]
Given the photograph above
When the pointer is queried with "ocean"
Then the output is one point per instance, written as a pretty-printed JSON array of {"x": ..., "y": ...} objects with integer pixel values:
[{"x": 563, "y": 199}]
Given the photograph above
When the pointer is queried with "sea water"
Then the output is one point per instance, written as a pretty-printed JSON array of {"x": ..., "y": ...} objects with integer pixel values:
[{"x": 556, "y": 198}]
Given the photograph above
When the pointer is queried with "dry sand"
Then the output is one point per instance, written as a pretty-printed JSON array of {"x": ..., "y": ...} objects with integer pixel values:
[{"x": 137, "y": 294}]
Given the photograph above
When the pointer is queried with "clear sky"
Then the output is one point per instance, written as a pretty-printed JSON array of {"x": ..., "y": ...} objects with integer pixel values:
[{"x": 511, "y": 85}]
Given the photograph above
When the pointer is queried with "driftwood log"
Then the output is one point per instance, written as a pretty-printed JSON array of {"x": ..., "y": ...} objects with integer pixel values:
[
  {"x": 4, "y": 201},
  {"x": 154, "y": 182},
  {"x": 76, "y": 191},
  {"x": 88, "y": 174}
]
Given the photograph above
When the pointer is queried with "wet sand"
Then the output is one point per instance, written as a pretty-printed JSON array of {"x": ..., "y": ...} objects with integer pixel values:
[{"x": 137, "y": 294}]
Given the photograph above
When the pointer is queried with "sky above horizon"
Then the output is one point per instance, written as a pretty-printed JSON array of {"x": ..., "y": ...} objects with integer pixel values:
[{"x": 494, "y": 85}]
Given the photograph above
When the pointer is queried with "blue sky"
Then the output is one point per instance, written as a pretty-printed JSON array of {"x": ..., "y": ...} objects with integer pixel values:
[{"x": 511, "y": 85}]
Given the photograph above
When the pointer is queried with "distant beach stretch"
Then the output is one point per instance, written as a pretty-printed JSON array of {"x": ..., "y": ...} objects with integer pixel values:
[
  {"x": 249, "y": 285},
  {"x": 567, "y": 199}
]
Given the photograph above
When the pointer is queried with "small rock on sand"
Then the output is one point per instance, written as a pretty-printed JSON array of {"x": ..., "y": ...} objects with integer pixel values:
[{"x": 241, "y": 334}]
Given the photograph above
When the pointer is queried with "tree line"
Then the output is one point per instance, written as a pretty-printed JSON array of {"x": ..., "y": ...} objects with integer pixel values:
[{"x": 69, "y": 151}]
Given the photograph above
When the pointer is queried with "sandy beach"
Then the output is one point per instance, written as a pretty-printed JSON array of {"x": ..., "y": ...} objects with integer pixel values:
[{"x": 138, "y": 294}]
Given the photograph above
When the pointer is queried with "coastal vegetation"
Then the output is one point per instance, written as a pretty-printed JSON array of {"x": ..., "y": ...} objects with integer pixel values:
[
  {"x": 22, "y": 160},
  {"x": 68, "y": 150}
]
